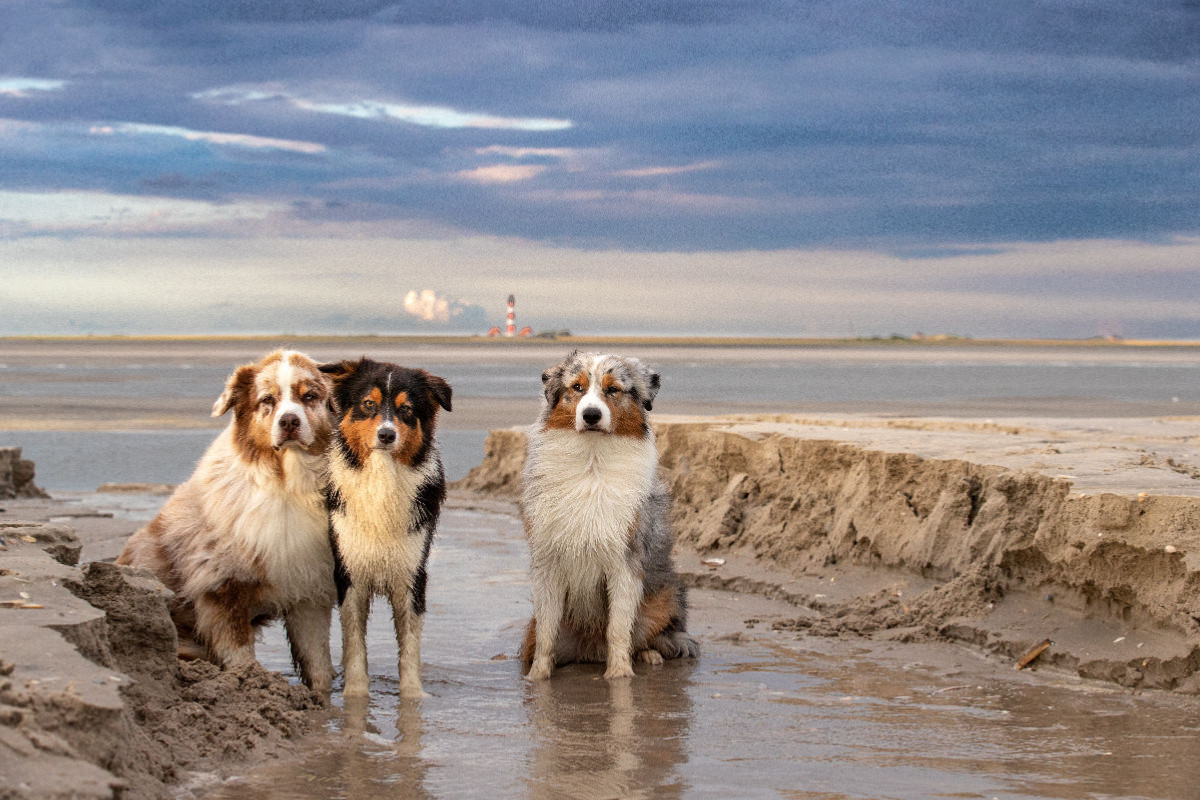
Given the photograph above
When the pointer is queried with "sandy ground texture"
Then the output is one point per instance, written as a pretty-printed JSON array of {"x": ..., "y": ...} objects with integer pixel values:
[
  {"x": 93, "y": 701},
  {"x": 1082, "y": 532}
]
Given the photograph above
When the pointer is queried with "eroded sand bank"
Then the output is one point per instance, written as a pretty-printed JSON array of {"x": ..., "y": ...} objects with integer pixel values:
[{"x": 93, "y": 701}]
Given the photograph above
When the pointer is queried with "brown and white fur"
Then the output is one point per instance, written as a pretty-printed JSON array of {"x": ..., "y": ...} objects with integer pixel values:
[
  {"x": 245, "y": 539},
  {"x": 597, "y": 521},
  {"x": 385, "y": 493}
]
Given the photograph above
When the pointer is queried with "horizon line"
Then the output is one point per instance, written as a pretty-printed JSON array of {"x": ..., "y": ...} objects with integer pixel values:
[{"x": 666, "y": 340}]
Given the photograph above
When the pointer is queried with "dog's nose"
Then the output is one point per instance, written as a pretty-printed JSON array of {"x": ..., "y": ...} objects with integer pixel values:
[
  {"x": 386, "y": 435},
  {"x": 591, "y": 415},
  {"x": 289, "y": 422}
]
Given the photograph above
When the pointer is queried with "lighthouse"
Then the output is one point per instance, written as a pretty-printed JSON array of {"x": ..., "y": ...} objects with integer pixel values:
[{"x": 510, "y": 322}]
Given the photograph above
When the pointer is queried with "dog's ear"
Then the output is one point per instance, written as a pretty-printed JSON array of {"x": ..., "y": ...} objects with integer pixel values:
[
  {"x": 652, "y": 381},
  {"x": 337, "y": 371},
  {"x": 552, "y": 386},
  {"x": 439, "y": 390},
  {"x": 552, "y": 379},
  {"x": 237, "y": 386}
]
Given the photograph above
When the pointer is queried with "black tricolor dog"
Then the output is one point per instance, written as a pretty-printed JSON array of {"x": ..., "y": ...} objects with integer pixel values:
[{"x": 385, "y": 492}]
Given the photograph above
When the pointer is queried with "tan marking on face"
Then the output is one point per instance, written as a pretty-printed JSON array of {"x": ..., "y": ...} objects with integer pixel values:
[
  {"x": 311, "y": 380},
  {"x": 266, "y": 387},
  {"x": 562, "y": 416},
  {"x": 251, "y": 420},
  {"x": 303, "y": 386},
  {"x": 360, "y": 433},
  {"x": 401, "y": 399},
  {"x": 409, "y": 440},
  {"x": 627, "y": 416}
]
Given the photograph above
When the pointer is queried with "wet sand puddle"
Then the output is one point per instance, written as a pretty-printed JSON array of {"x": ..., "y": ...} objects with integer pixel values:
[{"x": 760, "y": 714}]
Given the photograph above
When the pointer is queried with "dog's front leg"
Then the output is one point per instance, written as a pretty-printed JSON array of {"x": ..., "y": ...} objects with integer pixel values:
[
  {"x": 624, "y": 598},
  {"x": 355, "y": 608},
  {"x": 223, "y": 622},
  {"x": 548, "y": 595},
  {"x": 307, "y": 627},
  {"x": 409, "y": 618}
]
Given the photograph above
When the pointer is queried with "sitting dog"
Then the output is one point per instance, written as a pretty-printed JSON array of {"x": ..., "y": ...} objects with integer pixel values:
[
  {"x": 245, "y": 539},
  {"x": 596, "y": 518},
  {"x": 384, "y": 496}
]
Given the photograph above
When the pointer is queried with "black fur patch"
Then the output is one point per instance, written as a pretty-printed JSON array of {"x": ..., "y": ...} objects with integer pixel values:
[
  {"x": 341, "y": 578},
  {"x": 421, "y": 577},
  {"x": 427, "y": 505},
  {"x": 346, "y": 450},
  {"x": 334, "y": 500},
  {"x": 418, "y": 590}
]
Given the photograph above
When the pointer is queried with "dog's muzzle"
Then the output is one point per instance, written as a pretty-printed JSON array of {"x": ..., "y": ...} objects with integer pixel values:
[
  {"x": 289, "y": 428},
  {"x": 592, "y": 419}
]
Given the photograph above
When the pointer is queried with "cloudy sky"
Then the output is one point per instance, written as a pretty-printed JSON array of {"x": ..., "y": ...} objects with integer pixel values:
[{"x": 790, "y": 168}]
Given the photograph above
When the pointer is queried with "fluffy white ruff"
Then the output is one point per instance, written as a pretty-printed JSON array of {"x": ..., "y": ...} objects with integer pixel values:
[
  {"x": 249, "y": 513},
  {"x": 583, "y": 492},
  {"x": 373, "y": 531}
]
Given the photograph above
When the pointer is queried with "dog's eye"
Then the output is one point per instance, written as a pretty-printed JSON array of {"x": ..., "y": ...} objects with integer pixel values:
[
  {"x": 310, "y": 397},
  {"x": 612, "y": 390},
  {"x": 267, "y": 401},
  {"x": 577, "y": 387},
  {"x": 369, "y": 406},
  {"x": 405, "y": 412}
]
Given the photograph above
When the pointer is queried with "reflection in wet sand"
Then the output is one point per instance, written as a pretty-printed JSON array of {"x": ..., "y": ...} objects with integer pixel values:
[
  {"x": 595, "y": 738},
  {"x": 362, "y": 762}
]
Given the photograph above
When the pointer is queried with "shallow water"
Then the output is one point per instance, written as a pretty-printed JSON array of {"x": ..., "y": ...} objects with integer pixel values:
[
  {"x": 760, "y": 714},
  {"x": 82, "y": 386},
  {"x": 163, "y": 456}
]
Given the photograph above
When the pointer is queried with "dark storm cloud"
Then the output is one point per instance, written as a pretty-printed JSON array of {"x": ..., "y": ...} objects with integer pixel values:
[
  {"x": 684, "y": 126},
  {"x": 172, "y": 12}
]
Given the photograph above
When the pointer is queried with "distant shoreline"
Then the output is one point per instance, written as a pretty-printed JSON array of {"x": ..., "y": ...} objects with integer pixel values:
[{"x": 661, "y": 341}]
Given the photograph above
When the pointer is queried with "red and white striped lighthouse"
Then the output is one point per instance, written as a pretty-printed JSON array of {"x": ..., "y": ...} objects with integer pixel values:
[{"x": 510, "y": 327}]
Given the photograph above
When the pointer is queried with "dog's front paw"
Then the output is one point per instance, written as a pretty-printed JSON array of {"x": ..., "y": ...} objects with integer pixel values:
[
  {"x": 413, "y": 692},
  {"x": 320, "y": 682},
  {"x": 540, "y": 671},
  {"x": 616, "y": 670}
]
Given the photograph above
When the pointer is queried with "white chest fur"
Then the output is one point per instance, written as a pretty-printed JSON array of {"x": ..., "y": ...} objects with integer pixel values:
[
  {"x": 375, "y": 533},
  {"x": 582, "y": 495},
  {"x": 280, "y": 524}
]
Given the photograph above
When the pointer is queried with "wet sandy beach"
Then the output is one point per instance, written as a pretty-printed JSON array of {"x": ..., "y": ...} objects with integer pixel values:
[{"x": 762, "y": 713}]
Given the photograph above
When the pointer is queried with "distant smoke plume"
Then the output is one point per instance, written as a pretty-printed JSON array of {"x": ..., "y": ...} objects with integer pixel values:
[{"x": 429, "y": 306}]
